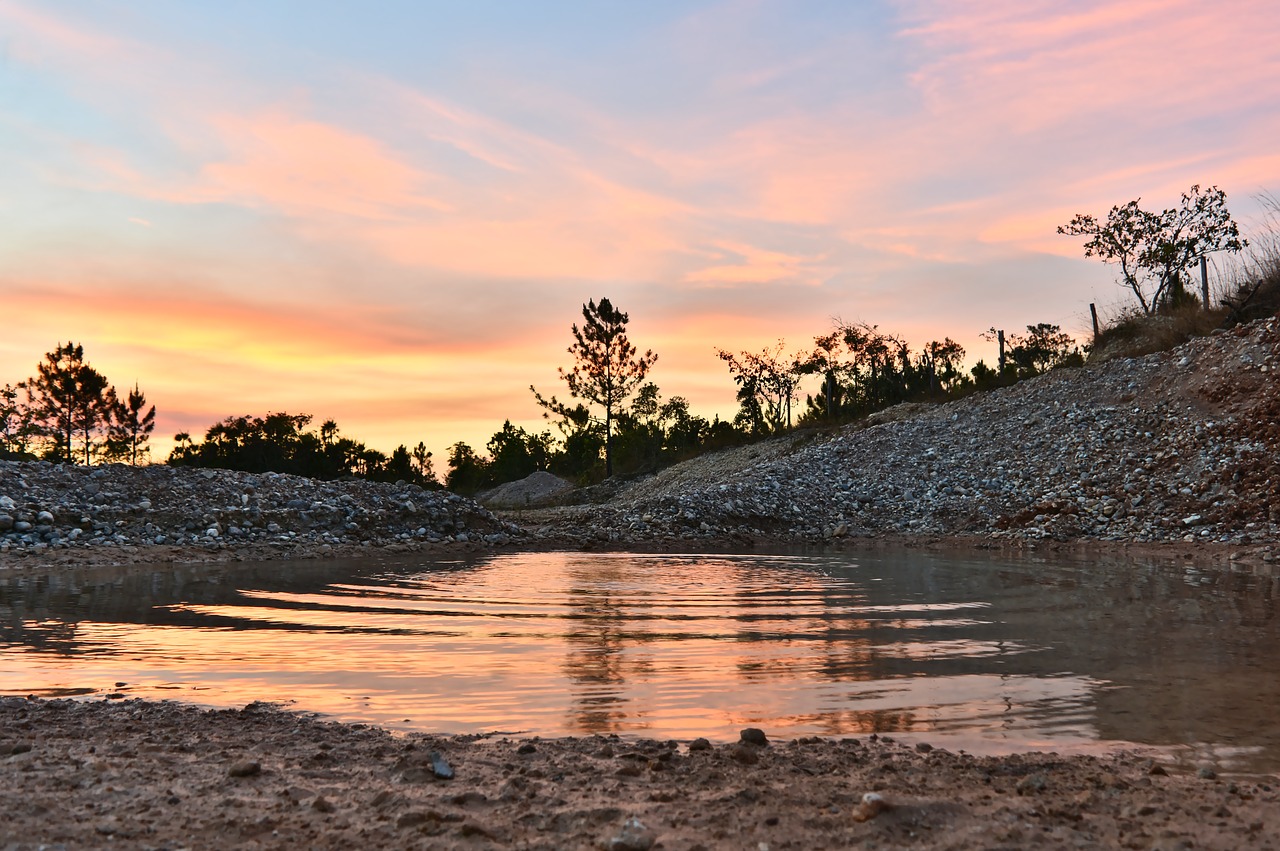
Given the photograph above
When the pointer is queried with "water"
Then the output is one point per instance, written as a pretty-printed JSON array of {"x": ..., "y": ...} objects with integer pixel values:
[{"x": 990, "y": 657}]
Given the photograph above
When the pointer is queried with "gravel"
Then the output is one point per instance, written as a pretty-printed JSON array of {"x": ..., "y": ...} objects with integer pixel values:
[{"x": 138, "y": 511}]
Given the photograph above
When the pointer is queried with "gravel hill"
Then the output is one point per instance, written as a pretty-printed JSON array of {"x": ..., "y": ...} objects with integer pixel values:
[{"x": 1177, "y": 446}]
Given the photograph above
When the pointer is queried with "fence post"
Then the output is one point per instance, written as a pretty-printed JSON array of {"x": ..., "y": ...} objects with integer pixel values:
[
  {"x": 1000, "y": 338},
  {"x": 1204, "y": 281},
  {"x": 1093, "y": 311}
]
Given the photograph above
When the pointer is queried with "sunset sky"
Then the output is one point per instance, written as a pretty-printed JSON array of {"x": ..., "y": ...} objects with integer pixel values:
[{"x": 389, "y": 213}]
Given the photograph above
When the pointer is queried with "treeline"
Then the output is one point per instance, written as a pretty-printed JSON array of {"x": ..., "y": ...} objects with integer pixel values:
[
  {"x": 282, "y": 443},
  {"x": 647, "y": 435},
  {"x": 859, "y": 370},
  {"x": 68, "y": 411}
]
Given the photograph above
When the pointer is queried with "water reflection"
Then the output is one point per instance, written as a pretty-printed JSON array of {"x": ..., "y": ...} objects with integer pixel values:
[{"x": 976, "y": 655}]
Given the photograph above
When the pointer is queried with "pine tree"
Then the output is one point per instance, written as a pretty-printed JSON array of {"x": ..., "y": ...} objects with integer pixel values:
[
  {"x": 130, "y": 429},
  {"x": 67, "y": 398},
  {"x": 607, "y": 369}
]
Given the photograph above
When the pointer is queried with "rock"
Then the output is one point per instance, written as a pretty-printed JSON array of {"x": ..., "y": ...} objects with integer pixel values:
[
  {"x": 245, "y": 768},
  {"x": 321, "y": 805},
  {"x": 1207, "y": 773},
  {"x": 1031, "y": 784},
  {"x": 744, "y": 754},
  {"x": 440, "y": 767},
  {"x": 633, "y": 836},
  {"x": 415, "y": 818},
  {"x": 6, "y": 522},
  {"x": 753, "y": 736},
  {"x": 44, "y": 517},
  {"x": 699, "y": 744},
  {"x": 871, "y": 805},
  {"x": 527, "y": 748}
]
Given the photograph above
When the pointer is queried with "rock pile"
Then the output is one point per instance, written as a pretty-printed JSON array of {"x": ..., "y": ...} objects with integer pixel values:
[
  {"x": 47, "y": 506},
  {"x": 1176, "y": 446}
]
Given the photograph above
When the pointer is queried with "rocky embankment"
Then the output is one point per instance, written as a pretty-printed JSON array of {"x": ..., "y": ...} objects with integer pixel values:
[
  {"x": 161, "y": 513},
  {"x": 1181, "y": 446}
]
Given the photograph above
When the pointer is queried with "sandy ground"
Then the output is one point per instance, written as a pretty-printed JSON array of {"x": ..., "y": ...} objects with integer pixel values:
[
  {"x": 119, "y": 773},
  {"x": 131, "y": 774}
]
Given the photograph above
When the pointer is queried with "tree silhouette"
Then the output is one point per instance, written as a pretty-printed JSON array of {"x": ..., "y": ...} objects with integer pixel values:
[
  {"x": 606, "y": 367},
  {"x": 67, "y": 398},
  {"x": 130, "y": 427},
  {"x": 1155, "y": 251}
]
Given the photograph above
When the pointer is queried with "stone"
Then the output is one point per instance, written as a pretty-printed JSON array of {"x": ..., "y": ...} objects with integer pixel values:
[
  {"x": 753, "y": 736},
  {"x": 633, "y": 836},
  {"x": 699, "y": 744},
  {"x": 440, "y": 767},
  {"x": 871, "y": 805},
  {"x": 244, "y": 768},
  {"x": 1031, "y": 784}
]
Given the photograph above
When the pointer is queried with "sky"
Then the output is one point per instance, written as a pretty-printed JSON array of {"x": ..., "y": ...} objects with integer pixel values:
[{"x": 390, "y": 213}]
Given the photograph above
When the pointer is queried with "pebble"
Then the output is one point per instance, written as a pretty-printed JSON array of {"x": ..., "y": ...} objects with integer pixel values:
[
  {"x": 633, "y": 836},
  {"x": 871, "y": 805},
  {"x": 245, "y": 768},
  {"x": 753, "y": 736}
]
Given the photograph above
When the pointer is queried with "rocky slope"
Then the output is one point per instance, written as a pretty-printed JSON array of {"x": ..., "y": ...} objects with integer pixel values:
[
  {"x": 149, "y": 513},
  {"x": 1178, "y": 446}
]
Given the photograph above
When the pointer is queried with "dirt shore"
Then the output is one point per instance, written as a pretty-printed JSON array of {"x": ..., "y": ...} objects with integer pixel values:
[{"x": 131, "y": 774}]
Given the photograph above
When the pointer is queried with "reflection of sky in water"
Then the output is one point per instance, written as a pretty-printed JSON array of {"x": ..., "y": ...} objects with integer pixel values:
[{"x": 976, "y": 656}]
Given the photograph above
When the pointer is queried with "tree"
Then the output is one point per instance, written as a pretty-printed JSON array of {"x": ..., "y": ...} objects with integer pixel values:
[
  {"x": 422, "y": 464},
  {"x": 130, "y": 428},
  {"x": 468, "y": 472},
  {"x": 1155, "y": 251},
  {"x": 67, "y": 398},
  {"x": 17, "y": 421},
  {"x": 606, "y": 370},
  {"x": 940, "y": 363},
  {"x": 1042, "y": 348},
  {"x": 767, "y": 385}
]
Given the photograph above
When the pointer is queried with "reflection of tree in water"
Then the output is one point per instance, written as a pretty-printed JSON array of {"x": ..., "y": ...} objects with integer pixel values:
[
  {"x": 858, "y": 722},
  {"x": 606, "y": 622},
  {"x": 44, "y": 613},
  {"x": 41, "y": 634}
]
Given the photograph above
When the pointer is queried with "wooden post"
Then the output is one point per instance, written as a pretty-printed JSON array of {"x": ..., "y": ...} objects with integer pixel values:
[
  {"x": 1000, "y": 338},
  {"x": 1093, "y": 311},
  {"x": 831, "y": 392},
  {"x": 1204, "y": 281}
]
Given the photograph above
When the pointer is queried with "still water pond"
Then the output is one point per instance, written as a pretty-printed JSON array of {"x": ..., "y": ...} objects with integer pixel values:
[{"x": 990, "y": 657}]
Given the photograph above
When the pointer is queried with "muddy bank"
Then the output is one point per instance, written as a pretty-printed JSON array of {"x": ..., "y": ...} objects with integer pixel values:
[{"x": 159, "y": 775}]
